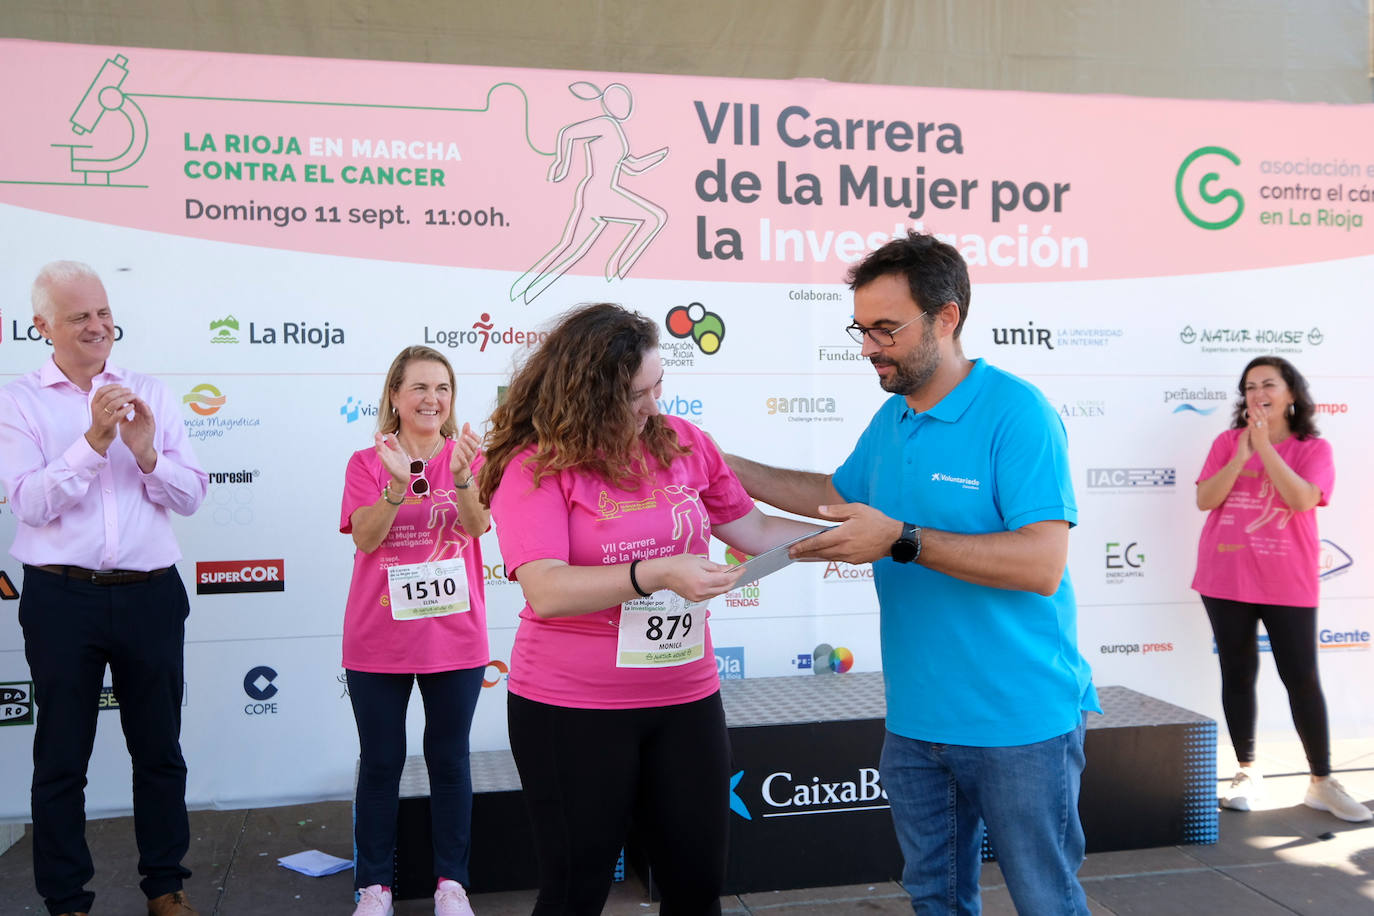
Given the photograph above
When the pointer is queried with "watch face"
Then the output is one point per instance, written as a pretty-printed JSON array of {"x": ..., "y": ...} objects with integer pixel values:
[{"x": 904, "y": 551}]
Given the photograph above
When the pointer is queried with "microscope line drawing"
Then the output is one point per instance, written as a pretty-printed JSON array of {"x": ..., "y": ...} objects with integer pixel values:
[{"x": 599, "y": 197}]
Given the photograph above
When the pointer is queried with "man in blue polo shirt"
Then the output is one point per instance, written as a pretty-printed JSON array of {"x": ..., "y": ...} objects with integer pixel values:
[{"x": 958, "y": 493}]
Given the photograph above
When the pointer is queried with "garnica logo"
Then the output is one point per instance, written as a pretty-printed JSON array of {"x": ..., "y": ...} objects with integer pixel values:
[{"x": 1196, "y": 175}]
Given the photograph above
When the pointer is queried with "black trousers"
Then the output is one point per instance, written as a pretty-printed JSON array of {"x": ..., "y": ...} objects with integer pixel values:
[
  {"x": 587, "y": 772},
  {"x": 1293, "y": 642},
  {"x": 72, "y": 630}
]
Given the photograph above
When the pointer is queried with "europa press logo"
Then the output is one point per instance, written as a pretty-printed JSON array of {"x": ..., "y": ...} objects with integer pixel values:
[
  {"x": 692, "y": 321},
  {"x": 204, "y": 399},
  {"x": 1197, "y": 179}
]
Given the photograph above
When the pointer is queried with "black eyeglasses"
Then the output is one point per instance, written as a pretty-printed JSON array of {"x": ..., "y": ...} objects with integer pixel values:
[
  {"x": 418, "y": 485},
  {"x": 880, "y": 336}
]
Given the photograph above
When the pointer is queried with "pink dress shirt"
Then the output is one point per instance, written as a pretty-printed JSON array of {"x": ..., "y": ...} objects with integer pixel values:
[{"x": 75, "y": 507}]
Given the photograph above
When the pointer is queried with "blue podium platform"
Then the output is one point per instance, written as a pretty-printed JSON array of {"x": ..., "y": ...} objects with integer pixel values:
[{"x": 807, "y": 804}]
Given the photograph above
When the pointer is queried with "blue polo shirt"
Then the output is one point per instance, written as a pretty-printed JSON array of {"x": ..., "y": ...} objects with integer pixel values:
[{"x": 964, "y": 663}]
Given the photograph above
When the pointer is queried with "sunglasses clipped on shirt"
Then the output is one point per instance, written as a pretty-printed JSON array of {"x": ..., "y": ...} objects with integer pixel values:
[{"x": 418, "y": 484}]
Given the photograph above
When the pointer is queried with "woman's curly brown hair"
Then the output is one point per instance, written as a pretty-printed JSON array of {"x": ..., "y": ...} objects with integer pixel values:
[{"x": 573, "y": 400}]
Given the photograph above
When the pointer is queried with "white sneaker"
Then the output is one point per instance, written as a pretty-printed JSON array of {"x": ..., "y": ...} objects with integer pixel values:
[
  {"x": 1329, "y": 795},
  {"x": 451, "y": 900},
  {"x": 374, "y": 901},
  {"x": 1246, "y": 789}
]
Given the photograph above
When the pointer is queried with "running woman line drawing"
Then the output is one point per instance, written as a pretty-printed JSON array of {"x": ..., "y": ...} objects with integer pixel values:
[
  {"x": 450, "y": 540},
  {"x": 599, "y": 198}
]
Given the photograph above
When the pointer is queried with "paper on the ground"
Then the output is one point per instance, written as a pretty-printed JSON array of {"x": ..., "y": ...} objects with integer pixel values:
[
  {"x": 314, "y": 863},
  {"x": 768, "y": 562}
]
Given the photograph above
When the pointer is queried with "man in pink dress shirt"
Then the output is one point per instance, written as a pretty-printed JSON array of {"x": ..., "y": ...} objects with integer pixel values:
[{"x": 94, "y": 458}]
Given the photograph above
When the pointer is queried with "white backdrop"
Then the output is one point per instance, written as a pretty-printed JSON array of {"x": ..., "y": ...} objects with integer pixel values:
[{"x": 1138, "y": 364}]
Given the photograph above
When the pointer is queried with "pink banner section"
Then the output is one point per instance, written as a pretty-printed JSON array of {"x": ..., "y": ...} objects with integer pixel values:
[{"x": 546, "y": 173}]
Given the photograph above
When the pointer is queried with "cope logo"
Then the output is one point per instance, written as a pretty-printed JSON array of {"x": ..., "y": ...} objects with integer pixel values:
[
  {"x": 730, "y": 663},
  {"x": 219, "y": 577},
  {"x": 205, "y": 400},
  {"x": 16, "y": 703},
  {"x": 1205, "y": 200},
  {"x": 826, "y": 659},
  {"x": 692, "y": 322},
  {"x": 258, "y": 684}
]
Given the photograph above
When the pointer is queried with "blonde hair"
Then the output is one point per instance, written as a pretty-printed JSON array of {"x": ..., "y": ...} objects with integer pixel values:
[{"x": 388, "y": 421}]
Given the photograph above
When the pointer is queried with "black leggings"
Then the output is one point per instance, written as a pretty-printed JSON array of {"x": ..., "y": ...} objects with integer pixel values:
[
  {"x": 1293, "y": 640},
  {"x": 587, "y": 773}
]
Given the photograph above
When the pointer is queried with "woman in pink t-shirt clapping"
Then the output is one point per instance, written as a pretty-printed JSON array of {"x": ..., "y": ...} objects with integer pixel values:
[
  {"x": 416, "y": 613},
  {"x": 604, "y": 511},
  {"x": 1257, "y": 562}
]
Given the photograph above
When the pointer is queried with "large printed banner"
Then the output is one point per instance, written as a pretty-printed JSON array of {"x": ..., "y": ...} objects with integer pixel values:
[{"x": 272, "y": 230}]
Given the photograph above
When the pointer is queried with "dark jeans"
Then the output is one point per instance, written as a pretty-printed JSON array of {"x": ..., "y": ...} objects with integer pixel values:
[
  {"x": 72, "y": 630},
  {"x": 1293, "y": 641},
  {"x": 379, "y": 706},
  {"x": 587, "y": 772}
]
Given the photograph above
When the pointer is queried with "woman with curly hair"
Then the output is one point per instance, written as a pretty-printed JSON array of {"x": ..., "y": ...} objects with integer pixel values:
[
  {"x": 604, "y": 509},
  {"x": 1257, "y": 562}
]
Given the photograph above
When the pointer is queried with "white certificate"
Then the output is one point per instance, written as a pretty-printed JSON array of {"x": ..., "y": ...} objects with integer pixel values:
[{"x": 768, "y": 562}]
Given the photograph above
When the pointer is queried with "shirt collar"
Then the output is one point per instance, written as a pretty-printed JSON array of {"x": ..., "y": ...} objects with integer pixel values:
[
  {"x": 50, "y": 375},
  {"x": 952, "y": 406}
]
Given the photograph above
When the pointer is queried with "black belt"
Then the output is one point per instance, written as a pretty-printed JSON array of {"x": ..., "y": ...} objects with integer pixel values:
[{"x": 104, "y": 576}]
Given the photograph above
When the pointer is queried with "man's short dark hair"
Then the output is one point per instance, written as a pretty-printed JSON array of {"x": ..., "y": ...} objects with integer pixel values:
[{"x": 934, "y": 271}]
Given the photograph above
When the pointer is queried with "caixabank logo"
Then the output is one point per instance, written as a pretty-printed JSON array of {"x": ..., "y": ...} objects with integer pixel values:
[
  {"x": 16, "y": 702},
  {"x": 221, "y": 577}
]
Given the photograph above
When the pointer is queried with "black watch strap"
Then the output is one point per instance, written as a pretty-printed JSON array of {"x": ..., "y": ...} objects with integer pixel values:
[{"x": 907, "y": 548}]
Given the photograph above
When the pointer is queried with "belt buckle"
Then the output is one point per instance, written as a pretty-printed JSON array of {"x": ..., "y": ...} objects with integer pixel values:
[{"x": 104, "y": 576}]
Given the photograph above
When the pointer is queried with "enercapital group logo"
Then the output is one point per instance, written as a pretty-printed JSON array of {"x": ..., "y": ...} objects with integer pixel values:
[
  {"x": 1213, "y": 205},
  {"x": 16, "y": 703},
  {"x": 219, "y": 577},
  {"x": 1124, "y": 561}
]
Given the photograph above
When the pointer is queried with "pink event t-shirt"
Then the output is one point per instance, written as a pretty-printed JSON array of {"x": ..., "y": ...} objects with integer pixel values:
[
  {"x": 586, "y": 521},
  {"x": 425, "y": 528},
  {"x": 1253, "y": 547}
]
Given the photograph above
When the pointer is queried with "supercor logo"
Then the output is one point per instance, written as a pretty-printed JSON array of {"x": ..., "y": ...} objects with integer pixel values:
[
  {"x": 16, "y": 703},
  {"x": 218, "y": 577}
]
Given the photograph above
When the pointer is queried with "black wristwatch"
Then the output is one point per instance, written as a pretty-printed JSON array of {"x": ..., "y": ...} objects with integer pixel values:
[{"x": 907, "y": 548}]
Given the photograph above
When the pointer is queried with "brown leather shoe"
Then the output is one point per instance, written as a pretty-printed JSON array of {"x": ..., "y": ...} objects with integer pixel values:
[{"x": 173, "y": 904}]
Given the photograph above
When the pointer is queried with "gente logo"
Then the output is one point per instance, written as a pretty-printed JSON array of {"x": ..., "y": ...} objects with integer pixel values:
[{"x": 1204, "y": 189}]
